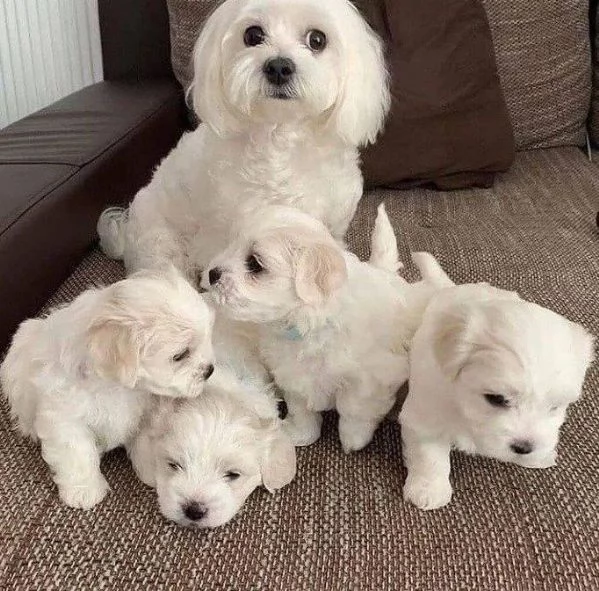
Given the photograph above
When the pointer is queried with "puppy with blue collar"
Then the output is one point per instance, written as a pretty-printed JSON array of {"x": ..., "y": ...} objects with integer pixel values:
[{"x": 332, "y": 330}]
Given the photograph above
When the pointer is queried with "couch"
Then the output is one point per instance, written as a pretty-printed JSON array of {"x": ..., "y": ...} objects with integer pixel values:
[{"x": 342, "y": 523}]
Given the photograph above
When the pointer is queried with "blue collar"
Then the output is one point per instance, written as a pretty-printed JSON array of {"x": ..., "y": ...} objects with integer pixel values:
[{"x": 292, "y": 333}]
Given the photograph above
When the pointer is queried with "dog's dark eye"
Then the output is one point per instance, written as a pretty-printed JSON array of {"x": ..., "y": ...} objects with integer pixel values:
[
  {"x": 497, "y": 400},
  {"x": 181, "y": 356},
  {"x": 316, "y": 40},
  {"x": 254, "y": 36},
  {"x": 253, "y": 265},
  {"x": 231, "y": 475},
  {"x": 174, "y": 466}
]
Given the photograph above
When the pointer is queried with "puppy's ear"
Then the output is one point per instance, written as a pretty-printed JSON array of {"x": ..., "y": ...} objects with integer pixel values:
[
  {"x": 207, "y": 87},
  {"x": 364, "y": 98},
  {"x": 452, "y": 342},
  {"x": 320, "y": 271},
  {"x": 278, "y": 465},
  {"x": 114, "y": 350}
]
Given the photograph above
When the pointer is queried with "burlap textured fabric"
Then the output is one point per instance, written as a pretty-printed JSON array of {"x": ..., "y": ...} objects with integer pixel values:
[
  {"x": 594, "y": 115},
  {"x": 543, "y": 58},
  {"x": 342, "y": 523}
]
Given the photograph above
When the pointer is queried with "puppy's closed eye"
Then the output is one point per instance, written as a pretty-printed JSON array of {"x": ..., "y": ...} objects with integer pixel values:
[
  {"x": 497, "y": 400},
  {"x": 232, "y": 475},
  {"x": 182, "y": 355}
]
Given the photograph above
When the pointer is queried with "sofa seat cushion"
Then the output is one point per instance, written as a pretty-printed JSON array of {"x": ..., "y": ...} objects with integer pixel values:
[{"x": 342, "y": 524}]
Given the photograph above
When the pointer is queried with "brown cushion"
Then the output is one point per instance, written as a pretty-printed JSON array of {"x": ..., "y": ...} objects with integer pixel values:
[
  {"x": 448, "y": 124},
  {"x": 543, "y": 58}
]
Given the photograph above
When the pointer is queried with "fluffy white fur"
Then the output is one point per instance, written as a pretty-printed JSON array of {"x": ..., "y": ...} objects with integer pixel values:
[
  {"x": 259, "y": 143},
  {"x": 205, "y": 456},
  {"x": 80, "y": 380},
  {"x": 490, "y": 374},
  {"x": 327, "y": 322}
]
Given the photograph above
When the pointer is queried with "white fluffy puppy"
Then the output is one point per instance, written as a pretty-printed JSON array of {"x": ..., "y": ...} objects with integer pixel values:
[
  {"x": 80, "y": 380},
  {"x": 490, "y": 374},
  {"x": 205, "y": 456},
  {"x": 286, "y": 92},
  {"x": 327, "y": 321}
]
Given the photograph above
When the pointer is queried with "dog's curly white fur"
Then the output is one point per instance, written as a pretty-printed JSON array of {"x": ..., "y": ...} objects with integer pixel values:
[
  {"x": 205, "y": 456},
  {"x": 490, "y": 374},
  {"x": 269, "y": 135},
  {"x": 327, "y": 321},
  {"x": 80, "y": 380}
]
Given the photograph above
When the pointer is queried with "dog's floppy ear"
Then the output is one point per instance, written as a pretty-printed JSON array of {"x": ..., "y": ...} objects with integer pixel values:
[
  {"x": 452, "y": 342},
  {"x": 364, "y": 98},
  {"x": 320, "y": 271},
  {"x": 278, "y": 465},
  {"x": 114, "y": 350},
  {"x": 207, "y": 88}
]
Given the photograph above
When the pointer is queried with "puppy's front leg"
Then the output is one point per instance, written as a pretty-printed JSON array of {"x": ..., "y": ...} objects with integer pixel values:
[
  {"x": 427, "y": 484},
  {"x": 74, "y": 460},
  {"x": 361, "y": 406},
  {"x": 302, "y": 424}
]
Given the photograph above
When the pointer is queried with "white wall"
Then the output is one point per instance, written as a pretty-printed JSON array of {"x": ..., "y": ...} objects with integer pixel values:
[{"x": 48, "y": 49}]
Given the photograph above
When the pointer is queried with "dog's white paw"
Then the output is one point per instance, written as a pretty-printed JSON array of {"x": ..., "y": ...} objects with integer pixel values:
[
  {"x": 427, "y": 493},
  {"x": 304, "y": 431},
  {"x": 542, "y": 462},
  {"x": 84, "y": 495},
  {"x": 354, "y": 435}
]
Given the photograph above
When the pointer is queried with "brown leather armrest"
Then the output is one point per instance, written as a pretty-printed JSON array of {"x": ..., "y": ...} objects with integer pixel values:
[{"x": 60, "y": 167}]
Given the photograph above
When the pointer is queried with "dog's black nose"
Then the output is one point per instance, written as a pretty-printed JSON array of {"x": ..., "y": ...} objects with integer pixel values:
[
  {"x": 279, "y": 70},
  {"x": 521, "y": 447},
  {"x": 209, "y": 371},
  {"x": 214, "y": 275},
  {"x": 194, "y": 511}
]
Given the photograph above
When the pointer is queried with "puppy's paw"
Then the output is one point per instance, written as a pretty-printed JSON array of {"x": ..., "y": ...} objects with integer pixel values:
[
  {"x": 427, "y": 493},
  {"x": 354, "y": 435},
  {"x": 541, "y": 462},
  {"x": 84, "y": 495},
  {"x": 303, "y": 431}
]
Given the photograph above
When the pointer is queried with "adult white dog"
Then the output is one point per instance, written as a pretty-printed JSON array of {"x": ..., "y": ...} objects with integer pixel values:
[
  {"x": 332, "y": 330},
  {"x": 80, "y": 380},
  {"x": 490, "y": 374},
  {"x": 287, "y": 92},
  {"x": 205, "y": 456}
]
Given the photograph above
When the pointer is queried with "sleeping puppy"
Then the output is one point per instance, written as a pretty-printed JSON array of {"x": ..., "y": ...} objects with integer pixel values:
[
  {"x": 81, "y": 379},
  {"x": 327, "y": 322},
  {"x": 490, "y": 374},
  {"x": 205, "y": 456}
]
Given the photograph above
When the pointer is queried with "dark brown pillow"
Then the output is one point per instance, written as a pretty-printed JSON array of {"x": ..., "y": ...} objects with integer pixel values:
[{"x": 449, "y": 126}]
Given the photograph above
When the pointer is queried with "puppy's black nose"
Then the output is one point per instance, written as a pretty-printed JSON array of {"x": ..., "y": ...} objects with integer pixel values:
[
  {"x": 208, "y": 371},
  {"x": 279, "y": 70},
  {"x": 522, "y": 447},
  {"x": 214, "y": 275},
  {"x": 194, "y": 511}
]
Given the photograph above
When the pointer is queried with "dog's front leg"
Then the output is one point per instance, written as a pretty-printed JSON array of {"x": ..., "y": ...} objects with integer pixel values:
[
  {"x": 427, "y": 460},
  {"x": 361, "y": 405},
  {"x": 302, "y": 424},
  {"x": 74, "y": 459}
]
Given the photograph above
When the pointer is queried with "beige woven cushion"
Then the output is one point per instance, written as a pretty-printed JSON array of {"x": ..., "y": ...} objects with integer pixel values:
[
  {"x": 186, "y": 19},
  {"x": 342, "y": 524},
  {"x": 594, "y": 116},
  {"x": 543, "y": 58}
]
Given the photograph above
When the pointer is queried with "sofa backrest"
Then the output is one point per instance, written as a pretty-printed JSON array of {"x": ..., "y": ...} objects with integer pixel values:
[
  {"x": 135, "y": 39},
  {"x": 544, "y": 62}
]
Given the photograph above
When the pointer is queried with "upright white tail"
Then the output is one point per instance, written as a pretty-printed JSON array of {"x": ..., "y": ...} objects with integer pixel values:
[{"x": 383, "y": 247}]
